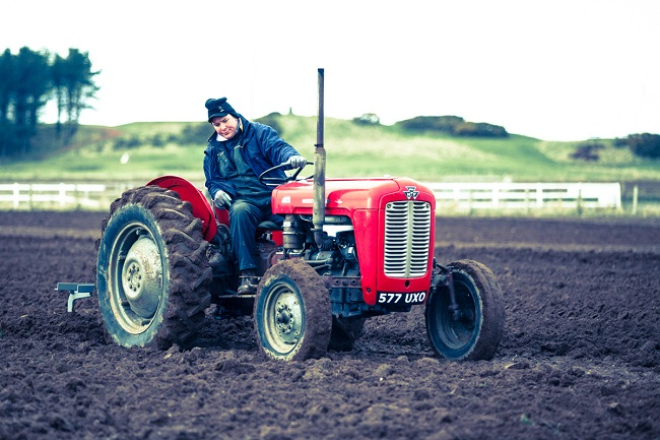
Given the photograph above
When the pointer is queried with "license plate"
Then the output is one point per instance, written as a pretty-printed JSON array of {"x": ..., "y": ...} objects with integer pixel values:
[{"x": 401, "y": 298}]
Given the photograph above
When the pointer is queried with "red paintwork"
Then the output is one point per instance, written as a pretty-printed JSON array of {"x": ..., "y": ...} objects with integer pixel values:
[
  {"x": 201, "y": 208},
  {"x": 189, "y": 193},
  {"x": 363, "y": 200}
]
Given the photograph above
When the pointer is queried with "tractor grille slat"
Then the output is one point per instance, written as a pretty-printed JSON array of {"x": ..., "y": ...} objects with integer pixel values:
[{"x": 407, "y": 238}]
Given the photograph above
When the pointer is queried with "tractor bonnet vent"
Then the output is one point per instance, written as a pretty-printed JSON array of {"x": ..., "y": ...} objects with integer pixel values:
[{"x": 407, "y": 238}]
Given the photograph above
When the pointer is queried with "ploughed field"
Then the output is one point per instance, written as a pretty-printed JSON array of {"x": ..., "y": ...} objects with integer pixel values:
[{"x": 580, "y": 358}]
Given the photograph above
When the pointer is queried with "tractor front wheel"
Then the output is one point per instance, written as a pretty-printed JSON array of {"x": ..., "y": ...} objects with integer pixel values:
[
  {"x": 471, "y": 330},
  {"x": 292, "y": 312}
]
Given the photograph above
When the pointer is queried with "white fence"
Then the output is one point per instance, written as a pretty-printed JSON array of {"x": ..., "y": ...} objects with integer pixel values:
[
  {"x": 508, "y": 195},
  {"x": 457, "y": 196},
  {"x": 58, "y": 195}
]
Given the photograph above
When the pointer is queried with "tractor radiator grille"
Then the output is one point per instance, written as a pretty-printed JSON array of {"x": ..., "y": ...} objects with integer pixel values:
[{"x": 407, "y": 238}]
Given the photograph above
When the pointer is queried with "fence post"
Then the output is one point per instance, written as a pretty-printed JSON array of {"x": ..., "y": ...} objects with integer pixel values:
[
  {"x": 539, "y": 195},
  {"x": 634, "y": 202},
  {"x": 496, "y": 196},
  {"x": 470, "y": 202},
  {"x": 527, "y": 201},
  {"x": 62, "y": 196},
  {"x": 579, "y": 201},
  {"x": 16, "y": 193},
  {"x": 85, "y": 196}
]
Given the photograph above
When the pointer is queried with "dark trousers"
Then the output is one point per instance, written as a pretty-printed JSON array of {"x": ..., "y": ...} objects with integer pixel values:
[{"x": 244, "y": 217}]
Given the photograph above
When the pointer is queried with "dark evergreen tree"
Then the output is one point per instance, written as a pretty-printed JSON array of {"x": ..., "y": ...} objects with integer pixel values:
[
  {"x": 27, "y": 81},
  {"x": 73, "y": 86},
  {"x": 30, "y": 87},
  {"x": 7, "y": 82}
]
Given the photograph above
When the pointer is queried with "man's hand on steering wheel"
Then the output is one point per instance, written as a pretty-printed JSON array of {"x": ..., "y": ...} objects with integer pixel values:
[{"x": 296, "y": 162}]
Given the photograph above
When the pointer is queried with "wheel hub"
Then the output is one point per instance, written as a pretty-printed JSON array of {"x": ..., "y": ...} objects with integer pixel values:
[
  {"x": 142, "y": 277},
  {"x": 288, "y": 319}
]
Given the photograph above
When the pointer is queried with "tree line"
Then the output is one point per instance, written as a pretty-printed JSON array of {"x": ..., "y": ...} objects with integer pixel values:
[{"x": 28, "y": 81}]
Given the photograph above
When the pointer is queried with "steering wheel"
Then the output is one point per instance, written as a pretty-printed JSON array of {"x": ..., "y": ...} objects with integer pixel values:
[{"x": 277, "y": 181}]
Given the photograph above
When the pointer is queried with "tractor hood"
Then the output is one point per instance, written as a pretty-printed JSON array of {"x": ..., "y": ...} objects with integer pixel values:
[{"x": 343, "y": 196}]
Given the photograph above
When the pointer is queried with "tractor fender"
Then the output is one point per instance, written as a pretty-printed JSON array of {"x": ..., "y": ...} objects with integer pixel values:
[{"x": 190, "y": 193}]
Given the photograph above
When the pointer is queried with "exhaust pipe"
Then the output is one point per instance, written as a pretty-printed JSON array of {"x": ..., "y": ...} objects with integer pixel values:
[{"x": 318, "y": 217}]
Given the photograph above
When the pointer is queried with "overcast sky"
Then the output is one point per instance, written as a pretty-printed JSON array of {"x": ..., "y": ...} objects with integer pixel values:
[{"x": 556, "y": 70}]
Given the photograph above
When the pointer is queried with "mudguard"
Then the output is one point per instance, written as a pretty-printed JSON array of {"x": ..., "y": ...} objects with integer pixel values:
[{"x": 190, "y": 193}]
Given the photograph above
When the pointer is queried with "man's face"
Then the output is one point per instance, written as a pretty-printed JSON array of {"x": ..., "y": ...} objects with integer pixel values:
[{"x": 225, "y": 126}]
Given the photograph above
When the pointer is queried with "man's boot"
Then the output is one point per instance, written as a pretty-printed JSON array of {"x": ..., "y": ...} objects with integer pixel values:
[{"x": 248, "y": 282}]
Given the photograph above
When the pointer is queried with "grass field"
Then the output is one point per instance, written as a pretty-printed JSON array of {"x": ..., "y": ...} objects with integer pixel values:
[{"x": 352, "y": 151}]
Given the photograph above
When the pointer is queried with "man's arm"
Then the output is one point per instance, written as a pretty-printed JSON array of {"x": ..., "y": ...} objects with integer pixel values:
[
  {"x": 214, "y": 180},
  {"x": 274, "y": 147}
]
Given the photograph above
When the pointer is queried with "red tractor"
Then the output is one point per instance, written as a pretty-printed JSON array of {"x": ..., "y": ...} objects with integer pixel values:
[{"x": 348, "y": 249}]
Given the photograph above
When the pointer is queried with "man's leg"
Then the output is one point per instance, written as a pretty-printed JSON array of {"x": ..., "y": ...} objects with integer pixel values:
[{"x": 243, "y": 220}]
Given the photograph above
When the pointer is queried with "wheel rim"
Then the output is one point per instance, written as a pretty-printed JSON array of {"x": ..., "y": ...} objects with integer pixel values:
[
  {"x": 285, "y": 318},
  {"x": 458, "y": 327},
  {"x": 136, "y": 278}
]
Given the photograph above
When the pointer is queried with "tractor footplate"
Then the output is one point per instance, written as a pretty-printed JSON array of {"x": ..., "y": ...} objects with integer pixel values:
[{"x": 76, "y": 292}]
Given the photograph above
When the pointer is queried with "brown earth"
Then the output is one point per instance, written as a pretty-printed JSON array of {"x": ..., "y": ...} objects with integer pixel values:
[{"x": 580, "y": 358}]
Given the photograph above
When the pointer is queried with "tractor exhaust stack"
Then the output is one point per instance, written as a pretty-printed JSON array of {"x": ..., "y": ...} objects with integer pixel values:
[{"x": 318, "y": 218}]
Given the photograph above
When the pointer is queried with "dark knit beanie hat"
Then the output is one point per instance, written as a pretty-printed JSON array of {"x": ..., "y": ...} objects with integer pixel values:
[{"x": 219, "y": 107}]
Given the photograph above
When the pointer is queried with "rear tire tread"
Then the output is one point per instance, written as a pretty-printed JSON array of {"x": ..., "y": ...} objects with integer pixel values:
[{"x": 186, "y": 249}]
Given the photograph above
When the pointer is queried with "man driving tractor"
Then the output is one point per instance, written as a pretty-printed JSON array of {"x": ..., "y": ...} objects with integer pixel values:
[{"x": 236, "y": 154}]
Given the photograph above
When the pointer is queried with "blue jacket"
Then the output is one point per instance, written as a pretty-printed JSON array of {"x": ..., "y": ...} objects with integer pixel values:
[{"x": 262, "y": 149}]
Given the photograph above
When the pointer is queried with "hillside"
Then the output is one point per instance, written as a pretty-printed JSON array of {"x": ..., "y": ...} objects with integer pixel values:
[{"x": 141, "y": 151}]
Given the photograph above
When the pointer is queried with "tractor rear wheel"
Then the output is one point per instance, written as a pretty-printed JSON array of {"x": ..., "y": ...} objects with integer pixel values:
[
  {"x": 152, "y": 270},
  {"x": 474, "y": 331},
  {"x": 292, "y": 312}
]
